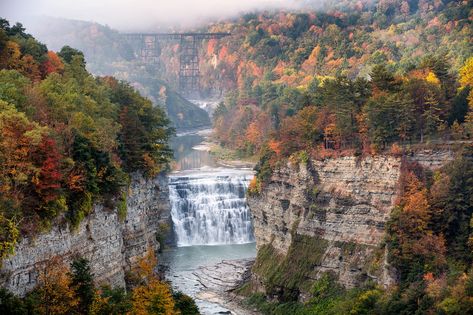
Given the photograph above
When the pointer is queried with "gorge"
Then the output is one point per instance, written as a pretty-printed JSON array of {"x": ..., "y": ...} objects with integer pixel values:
[{"x": 320, "y": 161}]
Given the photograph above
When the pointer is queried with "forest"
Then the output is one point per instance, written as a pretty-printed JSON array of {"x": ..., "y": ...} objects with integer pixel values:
[
  {"x": 368, "y": 74},
  {"x": 356, "y": 78}
]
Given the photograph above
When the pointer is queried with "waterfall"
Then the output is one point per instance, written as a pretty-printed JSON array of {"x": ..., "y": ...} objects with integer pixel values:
[{"x": 210, "y": 208}]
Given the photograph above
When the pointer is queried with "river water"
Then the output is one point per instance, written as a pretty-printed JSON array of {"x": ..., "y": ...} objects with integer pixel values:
[{"x": 211, "y": 219}]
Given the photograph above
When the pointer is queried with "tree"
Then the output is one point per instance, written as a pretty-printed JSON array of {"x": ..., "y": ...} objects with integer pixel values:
[
  {"x": 382, "y": 79},
  {"x": 466, "y": 80},
  {"x": 302, "y": 131},
  {"x": 152, "y": 296},
  {"x": 388, "y": 118},
  {"x": 52, "y": 64},
  {"x": 54, "y": 293},
  {"x": 144, "y": 134},
  {"x": 11, "y": 304},
  {"x": 431, "y": 114},
  {"x": 19, "y": 137},
  {"x": 82, "y": 283},
  {"x": 48, "y": 180},
  {"x": 111, "y": 301},
  {"x": 13, "y": 86},
  {"x": 413, "y": 249},
  {"x": 457, "y": 207},
  {"x": 67, "y": 53},
  {"x": 9, "y": 235},
  {"x": 339, "y": 97},
  {"x": 185, "y": 304}
]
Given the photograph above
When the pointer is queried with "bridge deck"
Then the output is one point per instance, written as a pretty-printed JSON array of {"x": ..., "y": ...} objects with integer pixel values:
[{"x": 176, "y": 36}]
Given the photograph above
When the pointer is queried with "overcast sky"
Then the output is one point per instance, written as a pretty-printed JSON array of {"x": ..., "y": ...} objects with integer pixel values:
[{"x": 137, "y": 14}]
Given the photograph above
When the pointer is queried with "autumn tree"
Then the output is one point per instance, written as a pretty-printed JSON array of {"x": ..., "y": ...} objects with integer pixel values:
[
  {"x": 302, "y": 131},
  {"x": 19, "y": 138},
  {"x": 54, "y": 293},
  {"x": 152, "y": 296},
  {"x": 413, "y": 248},
  {"x": 52, "y": 64},
  {"x": 466, "y": 79}
]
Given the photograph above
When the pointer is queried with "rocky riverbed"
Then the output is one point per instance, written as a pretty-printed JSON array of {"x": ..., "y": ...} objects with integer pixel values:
[{"x": 219, "y": 282}]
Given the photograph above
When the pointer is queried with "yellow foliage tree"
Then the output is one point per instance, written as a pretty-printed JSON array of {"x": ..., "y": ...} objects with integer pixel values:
[
  {"x": 466, "y": 79},
  {"x": 432, "y": 78},
  {"x": 153, "y": 296},
  {"x": 54, "y": 290}
]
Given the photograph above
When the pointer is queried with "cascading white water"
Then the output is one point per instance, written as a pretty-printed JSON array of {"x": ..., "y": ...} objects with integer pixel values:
[{"x": 210, "y": 208}]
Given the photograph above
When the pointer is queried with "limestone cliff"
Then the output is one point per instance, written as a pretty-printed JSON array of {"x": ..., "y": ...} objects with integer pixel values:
[
  {"x": 111, "y": 246},
  {"x": 327, "y": 216}
]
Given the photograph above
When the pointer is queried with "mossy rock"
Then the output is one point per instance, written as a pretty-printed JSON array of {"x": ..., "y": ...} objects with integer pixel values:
[{"x": 286, "y": 275}]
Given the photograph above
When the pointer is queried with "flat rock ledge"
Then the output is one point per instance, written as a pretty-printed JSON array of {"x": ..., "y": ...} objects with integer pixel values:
[{"x": 219, "y": 282}]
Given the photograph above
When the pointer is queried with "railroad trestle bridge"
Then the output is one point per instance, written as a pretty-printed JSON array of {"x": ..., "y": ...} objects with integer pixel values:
[{"x": 189, "y": 73}]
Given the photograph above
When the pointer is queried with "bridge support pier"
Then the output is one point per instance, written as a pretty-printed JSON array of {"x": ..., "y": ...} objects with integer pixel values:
[{"x": 189, "y": 73}]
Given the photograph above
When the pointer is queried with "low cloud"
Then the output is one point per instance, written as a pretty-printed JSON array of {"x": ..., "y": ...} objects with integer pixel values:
[{"x": 133, "y": 15}]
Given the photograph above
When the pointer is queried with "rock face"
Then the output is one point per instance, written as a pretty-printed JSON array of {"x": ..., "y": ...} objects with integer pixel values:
[
  {"x": 432, "y": 159},
  {"x": 341, "y": 203},
  {"x": 111, "y": 246},
  {"x": 329, "y": 213}
]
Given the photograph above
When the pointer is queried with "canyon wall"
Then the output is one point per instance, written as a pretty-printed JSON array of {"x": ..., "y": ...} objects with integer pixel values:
[
  {"x": 332, "y": 213},
  {"x": 111, "y": 246}
]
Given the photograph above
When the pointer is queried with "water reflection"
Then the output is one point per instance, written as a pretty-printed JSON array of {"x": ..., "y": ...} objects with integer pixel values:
[{"x": 186, "y": 158}]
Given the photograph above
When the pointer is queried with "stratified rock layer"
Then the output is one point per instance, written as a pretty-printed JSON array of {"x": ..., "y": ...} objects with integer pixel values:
[
  {"x": 111, "y": 246},
  {"x": 336, "y": 207},
  {"x": 345, "y": 201}
]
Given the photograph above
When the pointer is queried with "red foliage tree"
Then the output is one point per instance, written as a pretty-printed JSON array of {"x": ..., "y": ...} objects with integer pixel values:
[
  {"x": 52, "y": 64},
  {"x": 48, "y": 181}
]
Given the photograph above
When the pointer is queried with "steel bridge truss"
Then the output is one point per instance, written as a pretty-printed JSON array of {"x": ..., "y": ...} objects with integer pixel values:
[{"x": 189, "y": 73}]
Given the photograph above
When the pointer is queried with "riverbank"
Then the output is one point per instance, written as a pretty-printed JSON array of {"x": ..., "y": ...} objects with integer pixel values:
[{"x": 224, "y": 157}]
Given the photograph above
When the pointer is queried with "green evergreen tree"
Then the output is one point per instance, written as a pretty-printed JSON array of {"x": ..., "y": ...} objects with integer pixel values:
[{"x": 83, "y": 283}]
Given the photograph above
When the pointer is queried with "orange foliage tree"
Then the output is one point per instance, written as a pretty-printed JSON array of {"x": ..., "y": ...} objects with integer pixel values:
[
  {"x": 152, "y": 296},
  {"x": 54, "y": 291},
  {"x": 414, "y": 249}
]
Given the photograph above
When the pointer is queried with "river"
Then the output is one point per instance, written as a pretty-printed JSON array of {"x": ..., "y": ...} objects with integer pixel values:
[{"x": 211, "y": 219}]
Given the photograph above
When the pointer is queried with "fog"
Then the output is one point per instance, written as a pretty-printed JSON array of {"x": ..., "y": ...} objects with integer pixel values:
[{"x": 134, "y": 15}]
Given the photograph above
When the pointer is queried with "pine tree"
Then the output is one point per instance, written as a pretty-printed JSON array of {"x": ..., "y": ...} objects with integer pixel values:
[
  {"x": 431, "y": 114},
  {"x": 83, "y": 284}
]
